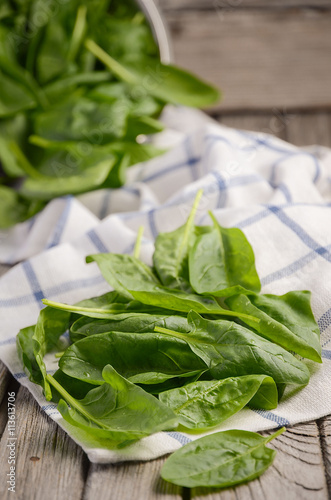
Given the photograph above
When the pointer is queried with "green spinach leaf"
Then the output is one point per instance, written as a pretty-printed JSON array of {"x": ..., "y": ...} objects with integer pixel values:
[
  {"x": 150, "y": 358},
  {"x": 170, "y": 257},
  {"x": 165, "y": 82},
  {"x": 134, "y": 279},
  {"x": 125, "y": 322},
  {"x": 222, "y": 263},
  {"x": 287, "y": 320},
  {"x": 47, "y": 187},
  {"x": 35, "y": 341},
  {"x": 15, "y": 209},
  {"x": 232, "y": 350},
  {"x": 118, "y": 410},
  {"x": 220, "y": 460},
  {"x": 207, "y": 403}
]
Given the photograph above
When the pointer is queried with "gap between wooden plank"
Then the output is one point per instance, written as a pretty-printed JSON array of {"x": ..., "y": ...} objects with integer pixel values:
[
  {"x": 5, "y": 378},
  {"x": 7, "y": 384},
  {"x": 242, "y": 4}
]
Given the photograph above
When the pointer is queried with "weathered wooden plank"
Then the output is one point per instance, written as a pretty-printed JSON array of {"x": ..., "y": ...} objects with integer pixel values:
[
  {"x": 297, "y": 473},
  {"x": 311, "y": 128},
  {"x": 239, "y": 4},
  {"x": 324, "y": 425},
  {"x": 4, "y": 380},
  {"x": 260, "y": 59},
  {"x": 7, "y": 384},
  {"x": 140, "y": 481},
  {"x": 48, "y": 463},
  {"x": 272, "y": 123}
]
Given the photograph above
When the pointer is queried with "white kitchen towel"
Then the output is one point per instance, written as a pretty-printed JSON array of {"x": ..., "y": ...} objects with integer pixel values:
[{"x": 278, "y": 194}]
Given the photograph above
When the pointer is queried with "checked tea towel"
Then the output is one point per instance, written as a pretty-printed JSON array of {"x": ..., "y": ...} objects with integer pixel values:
[{"x": 278, "y": 194}]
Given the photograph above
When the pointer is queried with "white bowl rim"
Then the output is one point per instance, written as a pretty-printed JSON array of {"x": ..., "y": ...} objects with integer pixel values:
[{"x": 159, "y": 28}]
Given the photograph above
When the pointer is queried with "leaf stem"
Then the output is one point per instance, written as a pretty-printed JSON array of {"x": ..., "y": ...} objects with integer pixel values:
[
  {"x": 228, "y": 312},
  {"x": 68, "y": 307},
  {"x": 160, "y": 329},
  {"x": 213, "y": 218},
  {"x": 136, "y": 251},
  {"x": 24, "y": 162},
  {"x": 113, "y": 65},
  {"x": 78, "y": 33},
  {"x": 188, "y": 228},
  {"x": 72, "y": 401},
  {"x": 276, "y": 434}
]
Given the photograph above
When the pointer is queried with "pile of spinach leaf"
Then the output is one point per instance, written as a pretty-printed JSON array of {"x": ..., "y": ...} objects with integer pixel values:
[
  {"x": 182, "y": 344},
  {"x": 80, "y": 83}
]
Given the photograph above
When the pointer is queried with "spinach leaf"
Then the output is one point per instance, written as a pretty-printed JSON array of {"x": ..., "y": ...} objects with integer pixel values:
[
  {"x": 14, "y": 208},
  {"x": 25, "y": 350},
  {"x": 180, "y": 301},
  {"x": 52, "y": 61},
  {"x": 150, "y": 358},
  {"x": 14, "y": 97},
  {"x": 220, "y": 460},
  {"x": 134, "y": 279},
  {"x": 60, "y": 88},
  {"x": 287, "y": 320},
  {"x": 221, "y": 262},
  {"x": 118, "y": 410},
  {"x": 47, "y": 187},
  {"x": 76, "y": 388},
  {"x": 79, "y": 118},
  {"x": 232, "y": 350},
  {"x": 135, "y": 152},
  {"x": 12, "y": 130},
  {"x": 125, "y": 322},
  {"x": 207, "y": 403},
  {"x": 170, "y": 257},
  {"x": 168, "y": 83},
  {"x": 127, "y": 37},
  {"x": 102, "y": 306},
  {"x": 171, "y": 383},
  {"x": 18, "y": 76},
  {"x": 124, "y": 272},
  {"x": 107, "y": 311},
  {"x": 35, "y": 341},
  {"x": 103, "y": 301},
  {"x": 142, "y": 125}
]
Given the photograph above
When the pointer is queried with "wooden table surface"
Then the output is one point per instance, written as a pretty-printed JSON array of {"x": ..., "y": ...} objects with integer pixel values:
[{"x": 272, "y": 60}]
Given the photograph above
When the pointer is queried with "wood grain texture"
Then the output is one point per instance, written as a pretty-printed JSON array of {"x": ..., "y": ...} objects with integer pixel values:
[
  {"x": 324, "y": 425},
  {"x": 128, "y": 481},
  {"x": 4, "y": 380},
  {"x": 297, "y": 473},
  {"x": 7, "y": 384},
  {"x": 260, "y": 59},
  {"x": 311, "y": 128},
  {"x": 49, "y": 464},
  {"x": 240, "y": 4}
]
